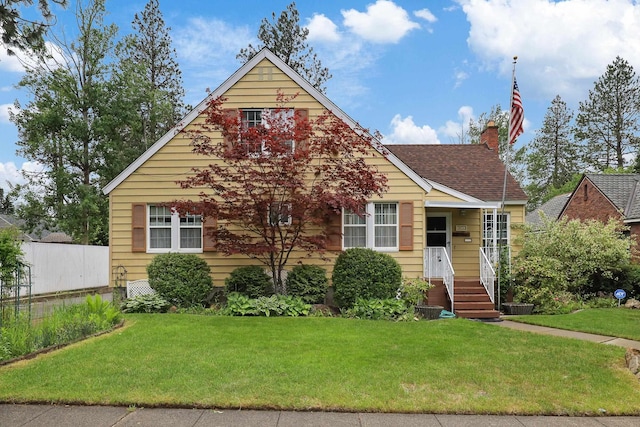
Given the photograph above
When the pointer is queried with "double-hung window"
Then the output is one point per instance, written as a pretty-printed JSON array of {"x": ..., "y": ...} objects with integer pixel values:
[
  {"x": 169, "y": 232},
  {"x": 260, "y": 117},
  {"x": 498, "y": 229},
  {"x": 280, "y": 214},
  {"x": 378, "y": 229}
]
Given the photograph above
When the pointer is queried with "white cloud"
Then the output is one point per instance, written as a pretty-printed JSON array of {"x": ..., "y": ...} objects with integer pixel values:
[
  {"x": 322, "y": 29},
  {"x": 4, "y": 112},
  {"x": 207, "y": 49},
  {"x": 383, "y": 22},
  {"x": 455, "y": 131},
  {"x": 563, "y": 46},
  {"x": 426, "y": 15},
  {"x": 405, "y": 131},
  {"x": 10, "y": 173}
]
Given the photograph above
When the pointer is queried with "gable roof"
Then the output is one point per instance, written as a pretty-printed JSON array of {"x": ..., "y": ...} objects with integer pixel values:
[
  {"x": 472, "y": 169},
  {"x": 551, "y": 209},
  {"x": 622, "y": 190},
  {"x": 225, "y": 86}
]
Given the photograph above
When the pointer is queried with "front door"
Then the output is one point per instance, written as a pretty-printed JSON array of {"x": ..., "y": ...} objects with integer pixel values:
[{"x": 439, "y": 231}]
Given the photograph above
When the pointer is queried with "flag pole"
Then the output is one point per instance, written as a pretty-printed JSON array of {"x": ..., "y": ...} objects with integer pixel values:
[{"x": 504, "y": 181}]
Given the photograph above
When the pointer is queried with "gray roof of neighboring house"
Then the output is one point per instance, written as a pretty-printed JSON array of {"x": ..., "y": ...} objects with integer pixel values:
[
  {"x": 623, "y": 190},
  {"x": 7, "y": 221},
  {"x": 550, "y": 209}
]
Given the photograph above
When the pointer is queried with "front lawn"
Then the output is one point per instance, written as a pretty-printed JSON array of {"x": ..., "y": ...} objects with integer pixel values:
[
  {"x": 444, "y": 366},
  {"x": 615, "y": 322}
]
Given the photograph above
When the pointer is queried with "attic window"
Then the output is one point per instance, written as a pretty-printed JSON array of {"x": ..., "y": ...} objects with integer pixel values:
[
  {"x": 586, "y": 192},
  {"x": 256, "y": 118}
]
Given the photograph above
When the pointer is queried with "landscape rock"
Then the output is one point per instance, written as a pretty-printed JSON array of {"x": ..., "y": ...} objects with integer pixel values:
[
  {"x": 633, "y": 361},
  {"x": 632, "y": 303}
]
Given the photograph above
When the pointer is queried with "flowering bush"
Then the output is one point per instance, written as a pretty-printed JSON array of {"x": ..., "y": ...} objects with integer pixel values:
[{"x": 413, "y": 291}]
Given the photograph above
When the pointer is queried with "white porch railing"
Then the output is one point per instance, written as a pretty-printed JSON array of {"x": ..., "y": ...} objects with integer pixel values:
[
  {"x": 487, "y": 274},
  {"x": 437, "y": 265}
]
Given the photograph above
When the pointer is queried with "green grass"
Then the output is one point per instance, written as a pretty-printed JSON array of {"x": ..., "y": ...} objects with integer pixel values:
[
  {"x": 615, "y": 322},
  {"x": 446, "y": 366}
]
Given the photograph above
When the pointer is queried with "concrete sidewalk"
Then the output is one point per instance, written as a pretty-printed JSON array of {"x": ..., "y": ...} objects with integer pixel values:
[
  {"x": 602, "y": 339},
  {"x": 98, "y": 416}
]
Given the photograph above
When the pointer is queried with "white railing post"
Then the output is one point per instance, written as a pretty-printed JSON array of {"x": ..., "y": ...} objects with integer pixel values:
[
  {"x": 438, "y": 265},
  {"x": 487, "y": 274}
]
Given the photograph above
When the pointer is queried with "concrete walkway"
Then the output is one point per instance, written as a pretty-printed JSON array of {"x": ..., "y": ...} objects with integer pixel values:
[
  {"x": 97, "y": 416},
  {"x": 603, "y": 339}
]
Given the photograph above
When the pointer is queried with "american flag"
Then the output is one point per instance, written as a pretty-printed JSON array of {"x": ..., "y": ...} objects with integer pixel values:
[{"x": 517, "y": 114}]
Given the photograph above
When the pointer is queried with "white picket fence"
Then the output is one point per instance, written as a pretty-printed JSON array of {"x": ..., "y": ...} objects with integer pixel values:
[{"x": 58, "y": 267}]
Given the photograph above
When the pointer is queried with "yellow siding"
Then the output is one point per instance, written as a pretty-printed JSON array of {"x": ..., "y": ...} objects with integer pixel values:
[{"x": 155, "y": 182}]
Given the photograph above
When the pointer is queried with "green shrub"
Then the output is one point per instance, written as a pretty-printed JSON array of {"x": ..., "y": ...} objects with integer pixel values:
[
  {"x": 275, "y": 305},
  {"x": 149, "y": 303},
  {"x": 364, "y": 273},
  {"x": 380, "y": 309},
  {"x": 251, "y": 281},
  {"x": 308, "y": 282},
  {"x": 569, "y": 258},
  {"x": 184, "y": 280}
]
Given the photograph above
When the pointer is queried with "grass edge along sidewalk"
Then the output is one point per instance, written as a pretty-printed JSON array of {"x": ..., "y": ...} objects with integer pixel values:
[{"x": 329, "y": 364}]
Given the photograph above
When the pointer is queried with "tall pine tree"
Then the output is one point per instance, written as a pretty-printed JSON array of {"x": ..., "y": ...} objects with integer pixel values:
[
  {"x": 608, "y": 121},
  {"x": 150, "y": 50},
  {"x": 287, "y": 39},
  {"x": 552, "y": 157}
]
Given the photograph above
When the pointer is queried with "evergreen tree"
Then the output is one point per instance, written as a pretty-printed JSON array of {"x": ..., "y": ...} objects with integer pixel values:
[
  {"x": 286, "y": 39},
  {"x": 608, "y": 120},
  {"x": 62, "y": 128},
  {"x": 22, "y": 33},
  {"x": 148, "y": 53},
  {"x": 552, "y": 158}
]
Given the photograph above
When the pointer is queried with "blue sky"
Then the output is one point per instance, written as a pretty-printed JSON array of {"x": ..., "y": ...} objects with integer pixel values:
[{"x": 414, "y": 70}]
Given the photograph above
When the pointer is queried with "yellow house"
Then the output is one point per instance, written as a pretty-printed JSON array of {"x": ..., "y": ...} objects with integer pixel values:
[{"x": 443, "y": 201}]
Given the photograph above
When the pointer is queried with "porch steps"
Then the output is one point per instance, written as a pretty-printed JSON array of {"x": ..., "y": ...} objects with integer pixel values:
[{"x": 471, "y": 300}]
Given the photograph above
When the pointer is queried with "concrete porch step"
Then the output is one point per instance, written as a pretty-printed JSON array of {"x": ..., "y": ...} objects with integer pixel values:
[
  {"x": 474, "y": 305},
  {"x": 478, "y": 314},
  {"x": 472, "y": 297}
]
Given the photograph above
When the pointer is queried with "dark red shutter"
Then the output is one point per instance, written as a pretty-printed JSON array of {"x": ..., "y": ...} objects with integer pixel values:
[
  {"x": 406, "y": 225},
  {"x": 138, "y": 227}
]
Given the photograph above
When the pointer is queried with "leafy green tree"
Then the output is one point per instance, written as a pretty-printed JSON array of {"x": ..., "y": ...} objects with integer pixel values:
[
  {"x": 608, "y": 120},
  {"x": 10, "y": 254},
  {"x": 287, "y": 39},
  {"x": 21, "y": 33},
  {"x": 6, "y": 204},
  {"x": 552, "y": 158},
  {"x": 569, "y": 256},
  {"x": 62, "y": 128}
]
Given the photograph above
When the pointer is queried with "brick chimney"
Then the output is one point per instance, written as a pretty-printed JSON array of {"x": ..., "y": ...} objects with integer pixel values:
[{"x": 489, "y": 136}]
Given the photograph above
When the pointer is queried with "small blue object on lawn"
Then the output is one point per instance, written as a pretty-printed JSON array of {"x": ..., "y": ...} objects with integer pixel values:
[{"x": 620, "y": 294}]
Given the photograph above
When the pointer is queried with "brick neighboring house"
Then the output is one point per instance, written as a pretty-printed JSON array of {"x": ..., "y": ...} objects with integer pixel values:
[{"x": 605, "y": 196}]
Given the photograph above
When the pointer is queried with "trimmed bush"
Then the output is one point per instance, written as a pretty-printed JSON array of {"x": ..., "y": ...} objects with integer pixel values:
[
  {"x": 308, "y": 282},
  {"x": 184, "y": 280},
  {"x": 251, "y": 281},
  {"x": 364, "y": 273}
]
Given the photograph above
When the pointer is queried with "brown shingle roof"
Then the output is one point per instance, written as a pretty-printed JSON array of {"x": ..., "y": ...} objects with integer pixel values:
[{"x": 472, "y": 169}]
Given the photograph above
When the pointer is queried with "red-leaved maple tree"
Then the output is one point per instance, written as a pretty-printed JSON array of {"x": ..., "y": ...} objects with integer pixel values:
[{"x": 273, "y": 187}]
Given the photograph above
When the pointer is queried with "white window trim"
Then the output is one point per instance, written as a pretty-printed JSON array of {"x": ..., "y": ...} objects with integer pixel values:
[
  {"x": 370, "y": 227},
  {"x": 175, "y": 236},
  {"x": 264, "y": 112},
  {"x": 486, "y": 240}
]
